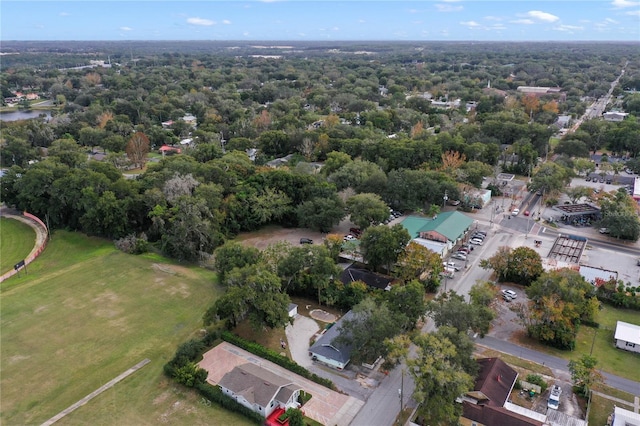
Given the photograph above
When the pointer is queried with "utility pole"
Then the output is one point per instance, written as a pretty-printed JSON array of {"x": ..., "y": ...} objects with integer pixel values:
[{"x": 401, "y": 392}]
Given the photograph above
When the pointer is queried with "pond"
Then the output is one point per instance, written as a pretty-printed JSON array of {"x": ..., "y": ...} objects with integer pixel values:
[{"x": 23, "y": 115}]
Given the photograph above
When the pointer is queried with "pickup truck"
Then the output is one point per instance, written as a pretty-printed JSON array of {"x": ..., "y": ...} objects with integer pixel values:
[{"x": 554, "y": 397}]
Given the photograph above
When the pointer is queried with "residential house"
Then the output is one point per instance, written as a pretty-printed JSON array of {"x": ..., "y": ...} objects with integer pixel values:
[
  {"x": 563, "y": 121},
  {"x": 440, "y": 233},
  {"x": 485, "y": 404},
  {"x": 259, "y": 389},
  {"x": 329, "y": 352},
  {"x": 622, "y": 417},
  {"x": 627, "y": 336},
  {"x": 353, "y": 273},
  {"x": 190, "y": 120}
]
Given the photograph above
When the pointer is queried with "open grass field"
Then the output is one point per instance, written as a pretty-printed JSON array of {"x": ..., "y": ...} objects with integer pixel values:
[
  {"x": 610, "y": 359},
  {"x": 86, "y": 313},
  {"x": 16, "y": 241}
]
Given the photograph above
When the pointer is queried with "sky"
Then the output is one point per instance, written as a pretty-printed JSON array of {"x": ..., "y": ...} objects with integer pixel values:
[{"x": 302, "y": 20}]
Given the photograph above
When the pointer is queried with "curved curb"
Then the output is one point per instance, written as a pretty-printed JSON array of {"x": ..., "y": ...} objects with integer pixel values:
[{"x": 42, "y": 235}]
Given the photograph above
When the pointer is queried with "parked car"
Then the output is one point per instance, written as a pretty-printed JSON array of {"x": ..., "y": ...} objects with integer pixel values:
[
  {"x": 451, "y": 265},
  {"x": 476, "y": 242},
  {"x": 603, "y": 230},
  {"x": 464, "y": 250},
  {"x": 355, "y": 231},
  {"x": 349, "y": 238},
  {"x": 510, "y": 294},
  {"x": 478, "y": 236},
  {"x": 306, "y": 241},
  {"x": 608, "y": 181},
  {"x": 459, "y": 256},
  {"x": 601, "y": 180},
  {"x": 526, "y": 213},
  {"x": 454, "y": 202},
  {"x": 515, "y": 212},
  {"x": 588, "y": 178},
  {"x": 480, "y": 232}
]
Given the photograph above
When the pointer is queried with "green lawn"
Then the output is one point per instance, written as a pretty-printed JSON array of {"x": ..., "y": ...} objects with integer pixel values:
[
  {"x": 16, "y": 242},
  {"x": 601, "y": 409},
  {"x": 86, "y": 313},
  {"x": 610, "y": 359}
]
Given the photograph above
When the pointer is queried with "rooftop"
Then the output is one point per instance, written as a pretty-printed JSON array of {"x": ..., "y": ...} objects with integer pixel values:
[
  {"x": 449, "y": 224},
  {"x": 627, "y": 332},
  {"x": 325, "y": 346},
  {"x": 256, "y": 384}
]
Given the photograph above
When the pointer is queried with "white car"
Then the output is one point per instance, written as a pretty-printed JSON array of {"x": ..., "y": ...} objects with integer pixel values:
[
  {"x": 515, "y": 212},
  {"x": 459, "y": 256},
  {"x": 476, "y": 242},
  {"x": 509, "y": 293},
  {"x": 349, "y": 238}
]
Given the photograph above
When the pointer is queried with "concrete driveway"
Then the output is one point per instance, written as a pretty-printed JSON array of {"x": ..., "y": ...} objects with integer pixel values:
[{"x": 299, "y": 335}]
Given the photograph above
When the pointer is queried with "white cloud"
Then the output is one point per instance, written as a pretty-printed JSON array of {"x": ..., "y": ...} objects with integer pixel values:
[
  {"x": 568, "y": 28},
  {"x": 443, "y": 7},
  {"x": 610, "y": 21},
  {"x": 470, "y": 24},
  {"x": 523, "y": 22},
  {"x": 125, "y": 29},
  {"x": 633, "y": 13},
  {"x": 621, "y": 4},
  {"x": 542, "y": 16},
  {"x": 493, "y": 18},
  {"x": 361, "y": 21},
  {"x": 64, "y": 14},
  {"x": 226, "y": 22},
  {"x": 200, "y": 21}
]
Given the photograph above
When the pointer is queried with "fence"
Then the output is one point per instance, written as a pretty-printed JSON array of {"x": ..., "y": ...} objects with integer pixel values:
[{"x": 42, "y": 236}]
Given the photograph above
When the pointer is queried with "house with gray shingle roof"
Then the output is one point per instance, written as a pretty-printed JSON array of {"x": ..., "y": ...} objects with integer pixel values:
[
  {"x": 329, "y": 352},
  {"x": 259, "y": 389}
]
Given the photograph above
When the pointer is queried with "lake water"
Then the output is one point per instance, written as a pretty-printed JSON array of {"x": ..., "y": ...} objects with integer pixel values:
[{"x": 23, "y": 115}]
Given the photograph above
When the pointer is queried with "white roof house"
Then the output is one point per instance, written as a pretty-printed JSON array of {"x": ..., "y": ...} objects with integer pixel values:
[
  {"x": 622, "y": 417},
  {"x": 627, "y": 336}
]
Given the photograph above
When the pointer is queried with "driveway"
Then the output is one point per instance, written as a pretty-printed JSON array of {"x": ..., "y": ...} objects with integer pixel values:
[{"x": 299, "y": 336}]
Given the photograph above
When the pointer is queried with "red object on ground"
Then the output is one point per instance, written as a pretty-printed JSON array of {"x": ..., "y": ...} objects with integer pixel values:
[{"x": 272, "y": 420}]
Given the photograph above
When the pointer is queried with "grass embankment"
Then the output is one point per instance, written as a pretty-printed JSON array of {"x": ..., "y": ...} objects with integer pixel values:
[
  {"x": 601, "y": 409},
  {"x": 16, "y": 242},
  {"x": 610, "y": 359},
  {"x": 86, "y": 313}
]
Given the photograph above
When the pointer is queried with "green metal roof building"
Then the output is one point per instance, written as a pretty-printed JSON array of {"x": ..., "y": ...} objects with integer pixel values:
[{"x": 450, "y": 225}]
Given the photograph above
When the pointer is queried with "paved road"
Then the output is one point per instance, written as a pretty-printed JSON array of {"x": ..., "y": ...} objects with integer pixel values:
[
  {"x": 383, "y": 405},
  {"x": 553, "y": 362}
]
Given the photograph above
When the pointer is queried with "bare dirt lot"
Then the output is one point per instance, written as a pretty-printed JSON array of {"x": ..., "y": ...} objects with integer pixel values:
[{"x": 269, "y": 235}]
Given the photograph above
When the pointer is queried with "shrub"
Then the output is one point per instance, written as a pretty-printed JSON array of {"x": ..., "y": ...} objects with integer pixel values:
[
  {"x": 215, "y": 394},
  {"x": 536, "y": 379},
  {"x": 132, "y": 244},
  {"x": 276, "y": 358}
]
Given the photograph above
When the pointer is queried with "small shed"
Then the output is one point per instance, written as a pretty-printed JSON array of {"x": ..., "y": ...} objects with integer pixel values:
[
  {"x": 292, "y": 309},
  {"x": 627, "y": 336}
]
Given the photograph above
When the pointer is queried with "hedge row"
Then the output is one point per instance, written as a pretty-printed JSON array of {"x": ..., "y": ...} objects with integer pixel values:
[
  {"x": 276, "y": 358},
  {"x": 215, "y": 394}
]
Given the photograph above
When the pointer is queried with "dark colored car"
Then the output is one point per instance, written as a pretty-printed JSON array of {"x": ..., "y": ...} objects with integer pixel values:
[{"x": 306, "y": 241}]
